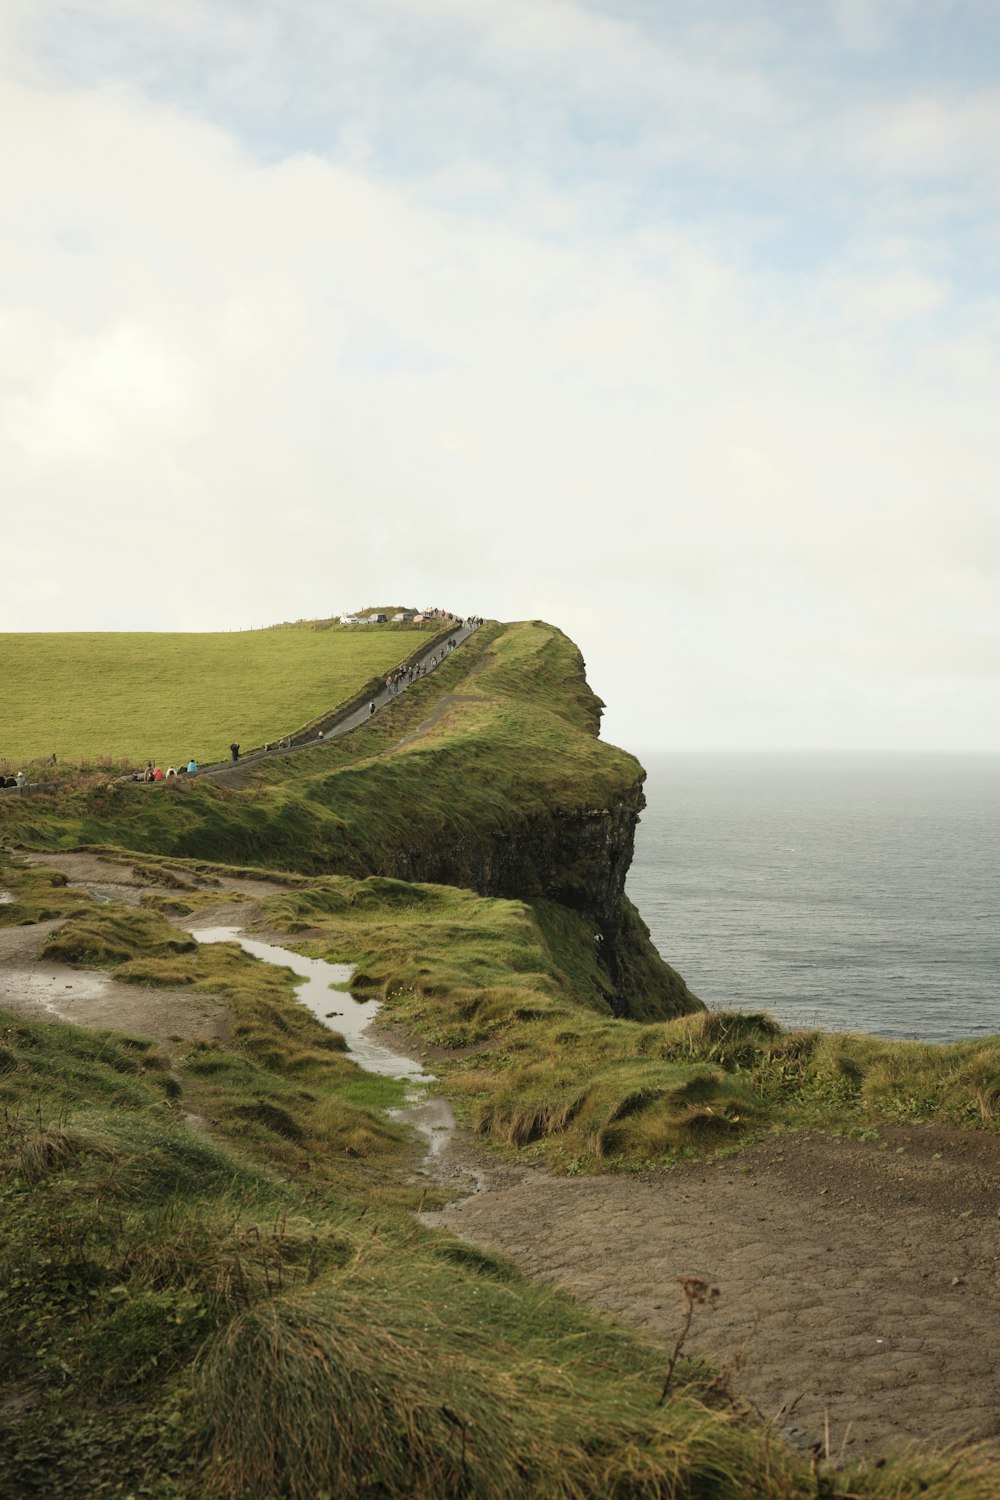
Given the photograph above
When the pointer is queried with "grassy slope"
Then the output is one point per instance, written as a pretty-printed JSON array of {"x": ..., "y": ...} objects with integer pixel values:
[
  {"x": 166, "y": 1292},
  {"x": 170, "y": 696},
  {"x": 521, "y": 741},
  {"x": 179, "y": 1323},
  {"x": 260, "y": 1315},
  {"x": 537, "y": 1061}
]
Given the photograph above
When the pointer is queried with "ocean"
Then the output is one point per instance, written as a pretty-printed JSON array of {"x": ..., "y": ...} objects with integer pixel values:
[{"x": 853, "y": 892}]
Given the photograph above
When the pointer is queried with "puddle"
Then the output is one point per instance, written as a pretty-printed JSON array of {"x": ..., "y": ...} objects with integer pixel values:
[
  {"x": 434, "y": 1120},
  {"x": 340, "y": 1011},
  {"x": 104, "y": 895},
  {"x": 337, "y": 1009},
  {"x": 40, "y": 988}
]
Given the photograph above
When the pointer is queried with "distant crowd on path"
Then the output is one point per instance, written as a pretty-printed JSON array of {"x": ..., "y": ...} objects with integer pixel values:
[
  {"x": 404, "y": 675},
  {"x": 407, "y": 674}
]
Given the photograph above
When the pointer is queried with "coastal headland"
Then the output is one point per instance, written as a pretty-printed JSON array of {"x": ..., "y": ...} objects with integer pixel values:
[{"x": 232, "y": 1269}]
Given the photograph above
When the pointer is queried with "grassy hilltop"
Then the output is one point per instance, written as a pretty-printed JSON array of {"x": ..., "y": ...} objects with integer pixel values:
[
  {"x": 249, "y": 1308},
  {"x": 135, "y": 696}
]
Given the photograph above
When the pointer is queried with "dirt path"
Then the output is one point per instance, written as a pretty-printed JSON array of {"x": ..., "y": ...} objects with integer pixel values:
[
  {"x": 443, "y": 706},
  {"x": 859, "y": 1281},
  {"x": 44, "y": 991}
]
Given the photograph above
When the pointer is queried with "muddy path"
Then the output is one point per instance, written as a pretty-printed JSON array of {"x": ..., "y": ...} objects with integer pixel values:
[
  {"x": 859, "y": 1281},
  {"x": 43, "y": 990}
]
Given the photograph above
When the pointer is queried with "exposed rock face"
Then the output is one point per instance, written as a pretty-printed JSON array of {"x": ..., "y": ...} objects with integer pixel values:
[{"x": 579, "y": 859}]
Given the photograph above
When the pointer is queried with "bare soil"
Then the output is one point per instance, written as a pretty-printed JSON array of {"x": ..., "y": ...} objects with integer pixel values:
[
  {"x": 859, "y": 1280},
  {"x": 46, "y": 991}
]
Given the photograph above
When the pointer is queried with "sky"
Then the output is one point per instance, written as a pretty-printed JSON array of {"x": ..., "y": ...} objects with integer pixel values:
[{"x": 675, "y": 325}]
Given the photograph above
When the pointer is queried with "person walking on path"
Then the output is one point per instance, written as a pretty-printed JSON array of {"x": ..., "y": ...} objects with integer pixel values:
[{"x": 234, "y": 749}]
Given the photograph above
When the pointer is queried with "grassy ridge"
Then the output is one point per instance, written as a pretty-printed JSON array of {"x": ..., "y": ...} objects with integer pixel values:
[
  {"x": 135, "y": 696},
  {"x": 539, "y": 1062},
  {"x": 489, "y": 770},
  {"x": 476, "y": 764},
  {"x": 256, "y": 1313},
  {"x": 517, "y": 741}
]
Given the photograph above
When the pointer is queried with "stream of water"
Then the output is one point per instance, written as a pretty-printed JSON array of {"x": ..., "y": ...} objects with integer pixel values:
[
  {"x": 317, "y": 987},
  {"x": 336, "y": 1008}
]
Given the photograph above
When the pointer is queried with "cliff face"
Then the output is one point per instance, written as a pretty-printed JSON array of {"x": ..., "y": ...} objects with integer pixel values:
[
  {"x": 579, "y": 860},
  {"x": 571, "y": 804}
]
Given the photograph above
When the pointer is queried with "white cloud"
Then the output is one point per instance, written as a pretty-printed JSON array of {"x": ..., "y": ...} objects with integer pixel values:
[
  {"x": 884, "y": 298},
  {"x": 868, "y": 25},
  {"x": 926, "y": 136},
  {"x": 238, "y": 389}
]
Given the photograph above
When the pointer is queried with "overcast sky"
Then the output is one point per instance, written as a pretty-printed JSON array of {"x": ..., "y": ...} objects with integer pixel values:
[{"x": 677, "y": 325}]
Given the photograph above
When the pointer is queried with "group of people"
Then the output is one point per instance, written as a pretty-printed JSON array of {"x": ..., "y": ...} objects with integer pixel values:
[
  {"x": 20, "y": 779},
  {"x": 405, "y": 675},
  {"x": 157, "y": 773},
  {"x": 402, "y": 677}
]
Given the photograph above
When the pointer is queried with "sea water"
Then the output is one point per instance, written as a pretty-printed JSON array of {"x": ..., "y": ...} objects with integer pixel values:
[{"x": 845, "y": 891}]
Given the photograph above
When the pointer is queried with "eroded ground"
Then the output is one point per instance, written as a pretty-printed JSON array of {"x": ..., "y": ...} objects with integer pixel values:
[
  {"x": 46, "y": 991},
  {"x": 859, "y": 1281}
]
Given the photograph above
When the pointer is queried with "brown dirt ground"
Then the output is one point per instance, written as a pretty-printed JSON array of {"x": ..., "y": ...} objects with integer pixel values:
[
  {"x": 859, "y": 1281},
  {"x": 42, "y": 990},
  {"x": 46, "y": 991}
]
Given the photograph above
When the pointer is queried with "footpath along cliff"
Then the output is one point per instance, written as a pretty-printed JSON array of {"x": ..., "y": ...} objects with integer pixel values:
[{"x": 489, "y": 774}]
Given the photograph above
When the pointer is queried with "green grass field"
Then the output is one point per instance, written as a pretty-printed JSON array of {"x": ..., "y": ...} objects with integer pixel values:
[{"x": 166, "y": 697}]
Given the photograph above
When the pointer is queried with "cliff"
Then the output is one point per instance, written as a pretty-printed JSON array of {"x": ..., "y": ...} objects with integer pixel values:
[
  {"x": 489, "y": 774},
  {"x": 579, "y": 860}
]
